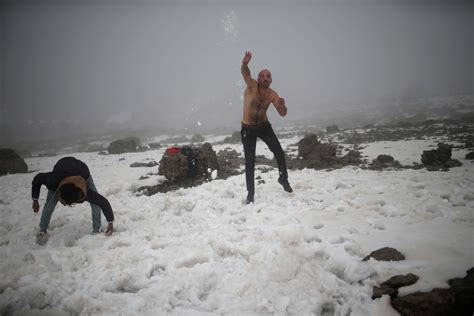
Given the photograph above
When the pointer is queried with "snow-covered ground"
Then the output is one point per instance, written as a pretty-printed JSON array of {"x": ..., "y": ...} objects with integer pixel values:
[{"x": 201, "y": 251}]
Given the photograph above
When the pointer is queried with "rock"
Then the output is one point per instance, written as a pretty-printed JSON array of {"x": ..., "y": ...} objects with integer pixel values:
[
  {"x": 384, "y": 290},
  {"x": 451, "y": 163},
  {"x": 197, "y": 138},
  {"x": 144, "y": 164},
  {"x": 437, "y": 157},
  {"x": 391, "y": 286},
  {"x": 229, "y": 161},
  {"x": 206, "y": 160},
  {"x": 173, "y": 165},
  {"x": 332, "y": 129},
  {"x": 120, "y": 146},
  {"x": 351, "y": 158},
  {"x": 313, "y": 154},
  {"x": 154, "y": 145},
  {"x": 306, "y": 145},
  {"x": 427, "y": 304},
  {"x": 385, "y": 254},
  {"x": 384, "y": 161},
  {"x": 385, "y": 158},
  {"x": 470, "y": 155},
  {"x": 235, "y": 138},
  {"x": 190, "y": 162},
  {"x": 457, "y": 300},
  {"x": 401, "y": 280},
  {"x": 11, "y": 162}
]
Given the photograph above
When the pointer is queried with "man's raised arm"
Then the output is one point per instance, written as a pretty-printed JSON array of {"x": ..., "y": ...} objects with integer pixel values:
[{"x": 245, "y": 68}]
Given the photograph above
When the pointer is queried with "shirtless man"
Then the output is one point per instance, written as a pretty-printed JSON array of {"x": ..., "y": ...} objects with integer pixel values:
[{"x": 257, "y": 98}]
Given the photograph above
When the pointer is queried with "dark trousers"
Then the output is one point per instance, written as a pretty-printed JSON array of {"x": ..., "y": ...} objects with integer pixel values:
[{"x": 249, "y": 136}]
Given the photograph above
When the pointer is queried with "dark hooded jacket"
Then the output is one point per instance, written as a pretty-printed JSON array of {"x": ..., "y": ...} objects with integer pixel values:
[{"x": 67, "y": 167}]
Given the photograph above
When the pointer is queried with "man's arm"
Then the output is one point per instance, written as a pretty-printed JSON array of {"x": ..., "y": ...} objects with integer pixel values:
[
  {"x": 103, "y": 203},
  {"x": 279, "y": 104},
  {"x": 245, "y": 69},
  {"x": 38, "y": 180}
]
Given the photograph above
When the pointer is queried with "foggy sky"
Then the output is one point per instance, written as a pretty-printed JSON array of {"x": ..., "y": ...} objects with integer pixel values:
[{"x": 76, "y": 67}]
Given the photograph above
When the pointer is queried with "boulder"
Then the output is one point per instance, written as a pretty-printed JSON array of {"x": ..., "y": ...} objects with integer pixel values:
[
  {"x": 154, "y": 145},
  {"x": 332, "y": 129},
  {"x": 235, "y": 138},
  {"x": 384, "y": 161},
  {"x": 437, "y": 157},
  {"x": 11, "y": 162},
  {"x": 120, "y": 146},
  {"x": 470, "y": 155},
  {"x": 391, "y": 286},
  {"x": 144, "y": 164},
  {"x": 197, "y": 138},
  {"x": 458, "y": 299},
  {"x": 189, "y": 162},
  {"x": 385, "y": 254},
  {"x": 306, "y": 145}
]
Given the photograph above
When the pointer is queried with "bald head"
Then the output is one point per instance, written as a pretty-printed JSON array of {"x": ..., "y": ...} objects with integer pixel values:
[{"x": 264, "y": 78}]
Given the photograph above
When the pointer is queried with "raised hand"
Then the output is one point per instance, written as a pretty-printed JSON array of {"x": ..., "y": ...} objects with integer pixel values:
[{"x": 247, "y": 58}]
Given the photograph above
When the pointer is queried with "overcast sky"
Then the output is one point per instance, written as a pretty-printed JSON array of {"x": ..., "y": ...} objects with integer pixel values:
[{"x": 88, "y": 64}]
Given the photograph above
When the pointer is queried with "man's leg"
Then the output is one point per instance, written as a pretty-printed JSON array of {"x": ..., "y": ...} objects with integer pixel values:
[
  {"x": 96, "y": 211},
  {"x": 249, "y": 140},
  {"x": 48, "y": 209},
  {"x": 267, "y": 134}
]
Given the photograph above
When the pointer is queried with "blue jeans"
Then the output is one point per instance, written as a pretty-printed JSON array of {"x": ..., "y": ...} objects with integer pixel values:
[{"x": 53, "y": 198}]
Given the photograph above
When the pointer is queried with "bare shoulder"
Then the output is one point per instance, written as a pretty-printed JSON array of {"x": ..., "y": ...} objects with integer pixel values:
[
  {"x": 274, "y": 95},
  {"x": 252, "y": 84}
]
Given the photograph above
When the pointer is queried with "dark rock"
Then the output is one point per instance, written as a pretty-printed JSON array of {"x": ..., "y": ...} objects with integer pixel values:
[
  {"x": 385, "y": 158},
  {"x": 401, "y": 280},
  {"x": 384, "y": 290},
  {"x": 385, "y": 254},
  {"x": 437, "y": 157},
  {"x": 206, "y": 159},
  {"x": 313, "y": 154},
  {"x": 125, "y": 145},
  {"x": 384, "y": 161},
  {"x": 229, "y": 161},
  {"x": 457, "y": 300},
  {"x": 332, "y": 129},
  {"x": 189, "y": 163},
  {"x": 470, "y": 155},
  {"x": 427, "y": 304},
  {"x": 11, "y": 162},
  {"x": 306, "y": 145},
  {"x": 391, "y": 286},
  {"x": 197, "y": 138},
  {"x": 103, "y": 153},
  {"x": 144, "y": 164},
  {"x": 235, "y": 138},
  {"x": 174, "y": 165},
  {"x": 469, "y": 144},
  {"x": 451, "y": 163},
  {"x": 154, "y": 145}
]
